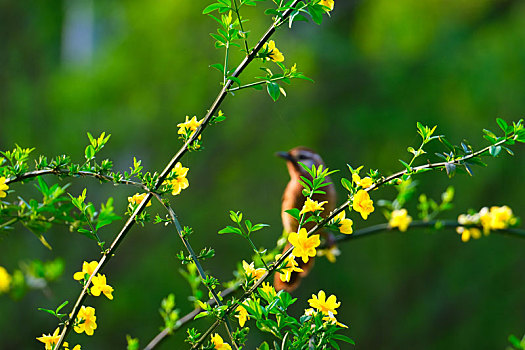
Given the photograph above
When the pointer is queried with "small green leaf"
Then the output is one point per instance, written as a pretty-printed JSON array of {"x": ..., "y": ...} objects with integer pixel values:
[
  {"x": 89, "y": 152},
  {"x": 294, "y": 213},
  {"x": 405, "y": 164},
  {"x": 503, "y": 125},
  {"x": 212, "y": 7},
  {"x": 346, "y": 184},
  {"x": 230, "y": 229},
  {"x": 273, "y": 90},
  {"x": 494, "y": 150}
]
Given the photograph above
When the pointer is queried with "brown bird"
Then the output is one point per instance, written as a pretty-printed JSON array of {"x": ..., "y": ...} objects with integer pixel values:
[{"x": 293, "y": 198}]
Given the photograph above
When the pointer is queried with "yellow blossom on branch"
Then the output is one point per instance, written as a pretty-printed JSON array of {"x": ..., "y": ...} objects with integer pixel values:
[
  {"x": 242, "y": 314},
  {"x": 250, "y": 270},
  {"x": 345, "y": 225},
  {"x": 331, "y": 318},
  {"x": 5, "y": 280},
  {"x": 363, "y": 204},
  {"x": 324, "y": 305},
  {"x": 3, "y": 187},
  {"x": 100, "y": 286},
  {"x": 50, "y": 340},
  {"x": 189, "y": 125},
  {"x": 312, "y": 206},
  {"x": 273, "y": 52},
  {"x": 467, "y": 233},
  {"x": 304, "y": 246},
  {"x": 218, "y": 343},
  {"x": 66, "y": 346},
  {"x": 87, "y": 268},
  {"x": 400, "y": 219},
  {"x": 137, "y": 199},
  {"x": 291, "y": 266},
  {"x": 179, "y": 181},
  {"x": 330, "y": 253},
  {"x": 86, "y": 320},
  {"x": 268, "y": 289},
  {"x": 364, "y": 182},
  {"x": 327, "y": 3}
]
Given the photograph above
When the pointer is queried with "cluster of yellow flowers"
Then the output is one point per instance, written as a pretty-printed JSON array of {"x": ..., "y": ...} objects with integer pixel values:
[
  {"x": 5, "y": 280},
  {"x": 189, "y": 125},
  {"x": 251, "y": 271},
  {"x": 326, "y": 306},
  {"x": 400, "y": 219},
  {"x": 178, "y": 182},
  {"x": 218, "y": 343},
  {"x": 98, "y": 281},
  {"x": 3, "y": 187},
  {"x": 86, "y": 319},
  {"x": 495, "y": 218},
  {"x": 51, "y": 340}
]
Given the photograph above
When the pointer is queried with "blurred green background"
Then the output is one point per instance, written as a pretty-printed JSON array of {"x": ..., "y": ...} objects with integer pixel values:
[{"x": 135, "y": 69}]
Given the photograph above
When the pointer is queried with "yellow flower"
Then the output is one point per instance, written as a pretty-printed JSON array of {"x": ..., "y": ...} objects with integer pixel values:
[
  {"x": 179, "y": 181},
  {"x": 268, "y": 289},
  {"x": 304, "y": 246},
  {"x": 400, "y": 219},
  {"x": 219, "y": 344},
  {"x": 327, "y": 3},
  {"x": 50, "y": 340},
  {"x": 467, "y": 233},
  {"x": 363, "y": 204},
  {"x": 311, "y": 206},
  {"x": 331, "y": 318},
  {"x": 5, "y": 280},
  {"x": 345, "y": 225},
  {"x": 66, "y": 346},
  {"x": 86, "y": 268},
  {"x": 330, "y": 253},
  {"x": 3, "y": 187},
  {"x": 496, "y": 218},
  {"x": 189, "y": 125},
  {"x": 501, "y": 217},
  {"x": 273, "y": 52},
  {"x": 324, "y": 305},
  {"x": 243, "y": 315},
  {"x": 291, "y": 266},
  {"x": 86, "y": 320},
  {"x": 100, "y": 286},
  {"x": 250, "y": 270},
  {"x": 364, "y": 183},
  {"x": 137, "y": 199}
]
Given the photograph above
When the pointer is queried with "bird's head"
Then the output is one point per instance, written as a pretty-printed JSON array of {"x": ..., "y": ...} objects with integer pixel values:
[{"x": 300, "y": 155}]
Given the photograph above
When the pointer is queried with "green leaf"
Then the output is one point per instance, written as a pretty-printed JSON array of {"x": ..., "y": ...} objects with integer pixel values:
[
  {"x": 503, "y": 125},
  {"x": 230, "y": 229},
  {"x": 212, "y": 7},
  {"x": 61, "y": 306},
  {"x": 294, "y": 213},
  {"x": 494, "y": 150},
  {"x": 89, "y": 152},
  {"x": 346, "y": 184},
  {"x": 405, "y": 164},
  {"x": 47, "y": 310},
  {"x": 343, "y": 338},
  {"x": 273, "y": 90}
]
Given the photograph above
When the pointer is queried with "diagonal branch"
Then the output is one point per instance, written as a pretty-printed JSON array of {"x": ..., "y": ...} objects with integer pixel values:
[{"x": 171, "y": 164}]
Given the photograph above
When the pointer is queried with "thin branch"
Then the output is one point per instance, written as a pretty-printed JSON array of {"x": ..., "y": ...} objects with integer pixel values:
[
  {"x": 255, "y": 84},
  {"x": 236, "y": 9},
  {"x": 61, "y": 172},
  {"x": 195, "y": 259}
]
